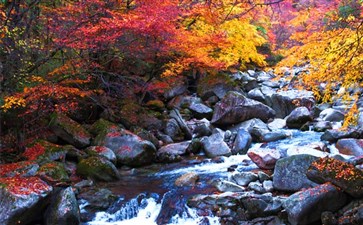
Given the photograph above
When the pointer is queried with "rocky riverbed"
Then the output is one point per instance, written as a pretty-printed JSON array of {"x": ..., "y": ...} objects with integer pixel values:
[{"x": 243, "y": 149}]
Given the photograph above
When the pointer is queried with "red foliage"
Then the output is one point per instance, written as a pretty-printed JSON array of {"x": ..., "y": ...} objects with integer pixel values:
[
  {"x": 32, "y": 153},
  {"x": 12, "y": 167},
  {"x": 25, "y": 185}
]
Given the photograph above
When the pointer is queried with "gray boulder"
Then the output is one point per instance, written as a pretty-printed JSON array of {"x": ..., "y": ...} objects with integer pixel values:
[
  {"x": 20, "y": 202},
  {"x": 200, "y": 111},
  {"x": 242, "y": 142},
  {"x": 243, "y": 178},
  {"x": 63, "y": 209},
  {"x": 130, "y": 149},
  {"x": 290, "y": 173},
  {"x": 298, "y": 117},
  {"x": 284, "y": 102},
  {"x": 235, "y": 108},
  {"x": 172, "y": 152},
  {"x": 350, "y": 146},
  {"x": 264, "y": 158},
  {"x": 214, "y": 146},
  {"x": 305, "y": 207},
  {"x": 331, "y": 115},
  {"x": 101, "y": 151},
  {"x": 334, "y": 135}
]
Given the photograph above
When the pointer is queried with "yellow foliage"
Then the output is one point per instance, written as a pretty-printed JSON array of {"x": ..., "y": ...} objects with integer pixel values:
[{"x": 12, "y": 102}]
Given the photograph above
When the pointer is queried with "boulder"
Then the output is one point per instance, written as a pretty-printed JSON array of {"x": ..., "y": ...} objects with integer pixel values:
[
  {"x": 290, "y": 173},
  {"x": 351, "y": 213},
  {"x": 130, "y": 149},
  {"x": 173, "y": 130},
  {"x": 214, "y": 146},
  {"x": 97, "y": 168},
  {"x": 101, "y": 151},
  {"x": 43, "y": 152},
  {"x": 175, "y": 91},
  {"x": 341, "y": 174},
  {"x": 284, "y": 102},
  {"x": 243, "y": 178},
  {"x": 257, "y": 187},
  {"x": 63, "y": 209},
  {"x": 22, "y": 199},
  {"x": 22, "y": 169},
  {"x": 305, "y": 150},
  {"x": 188, "y": 179},
  {"x": 331, "y": 115},
  {"x": 334, "y": 135},
  {"x": 69, "y": 130},
  {"x": 277, "y": 123},
  {"x": 298, "y": 117},
  {"x": 172, "y": 152},
  {"x": 266, "y": 135},
  {"x": 53, "y": 173},
  {"x": 264, "y": 158},
  {"x": 200, "y": 111},
  {"x": 350, "y": 146},
  {"x": 257, "y": 205},
  {"x": 242, "y": 142},
  {"x": 305, "y": 207},
  {"x": 235, "y": 108},
  {"x": 322, "y": 126},
  {"x": 227, "y": 186}
]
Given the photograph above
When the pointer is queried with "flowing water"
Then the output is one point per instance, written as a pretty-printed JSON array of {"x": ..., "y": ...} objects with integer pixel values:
[{"x": 149, "y": 196}]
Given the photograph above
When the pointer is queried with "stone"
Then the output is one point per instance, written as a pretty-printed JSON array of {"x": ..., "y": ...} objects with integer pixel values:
[
  {"x": 188, "y": 179},
  {"x": 268, "y": 185},
  {"x": 172, "y": 152},
  {"x": 69, "y": 130},
  {"x": 351, "y": 213},
  {"x": 266, "y": 135},
  {"x": 322, "y": 126},
  {"x": 333, "y": 136},
  {"x": 350, "y": 146},
  {"x": 173, "y": 130},
  {"x": 130, "y": 149},
  {"x": 235, "y": 108},
  {"x": 256, "y": 186},
  {"x": 284, "y": 102},
  {"x": 243, "y": 178},
  {"x": 306, "y": 150},
  {"x": 341, "y": 174},
  {"x": 43, "y": 152},
  {"x": 262, "y": 176},
  {"x": 227, "y": 186},
  {"x": 97, "y": 168},
  {"x": 21, "y": 203},
  {"x": 290, "y": 173},
  {"x": 175, "y": 91},
  {"x": 101, "y": 151},
  {"x": 98, "y": 198},
  {"x": 21, "y": 168},
  {"x": 214, "y": 146},
  {"x": 305, "y": 207},
  {"x": 53, "y": 173},
  {"x": 264, "y": 158},
  {"x": 298, "y": 117},
  {"x": 63, "y": 209},
  {"x": 201, "y": 111},
  {"x": 331, "y": 115},
  {"x": 277, "y": 123},
  {"x": 242, "y": 142}
]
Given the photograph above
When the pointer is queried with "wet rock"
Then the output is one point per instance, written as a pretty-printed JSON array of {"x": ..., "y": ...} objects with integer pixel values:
[
  {"x": 268, "y": 185},
  {"x": 249, "y": 125},
  {"x": 290, "y": 173},
  {"x": 331, "y": 115},
  {"x": 322, "y": 126},
  {"x": 172, "y": 152},
  {"x": 334, "y": 135},
  {"x": 200, "y": 128},
  {"x": 264, "y": 158},
  {"x": 235, "y": 108},
  {"x": 257, "y": 187},
  {"x": 173, "y": 130},
  {"x": 130, "y": 149},
  {"x": 63, "y": 209},
  {"x": 188, "y": 179},
  {"x": 341, "y": 174},
  {"x": 101, "y": 151},
  {"x": 69, "y": 130},
  {"x": 214, "y": 146},
  {"x": 242, "y": 142},
  {"x": 306, "y": 207},
  {"x": 277, "y": 123},
  {"x": 225, "y": 186},
  {"x": 266, "y": 135},
  {"x": 298, "y": 117},
  {"x": 263, "y": 176},
  {"x": 257, "y": 205},
  {"x": 306, "y": 150},
  {"x": 270, "y": 220},
  {"x": 21, "y": 203},
  {"x": 243, "y": 178},
  {"x": 201, "y": 111},
  {"x": 175, "y": 114},
  {"x": 350, "y": 146},
  {"x": 97, "y": 168},
  {"x": 284, "y": 102},
  {"x": 102, "y": 127},
  {"x": 98, "y": 199}
]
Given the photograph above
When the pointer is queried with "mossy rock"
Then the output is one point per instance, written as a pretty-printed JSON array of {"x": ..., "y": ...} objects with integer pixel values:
[
  {"x": 69, "y": 130},
  {"x": 22, "y": 168},
  {"x": 43, "y": 152},
  {"x": 97, "y": 168},
  {"x": 156, "y": 105},
  {"x": 53, "y": 172},
  {"x": 103, "y": 126},
  {"x": 101, "y": 151}
]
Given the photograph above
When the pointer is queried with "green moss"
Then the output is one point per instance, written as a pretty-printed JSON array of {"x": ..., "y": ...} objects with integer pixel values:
[
  {"x": 53, "y": 171},
  {"x": 156, "y": 104},
  {"x": 97, "y": 168},
  {"x": 211, "y": 80},
  {"x": 102, "y": 125}
]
